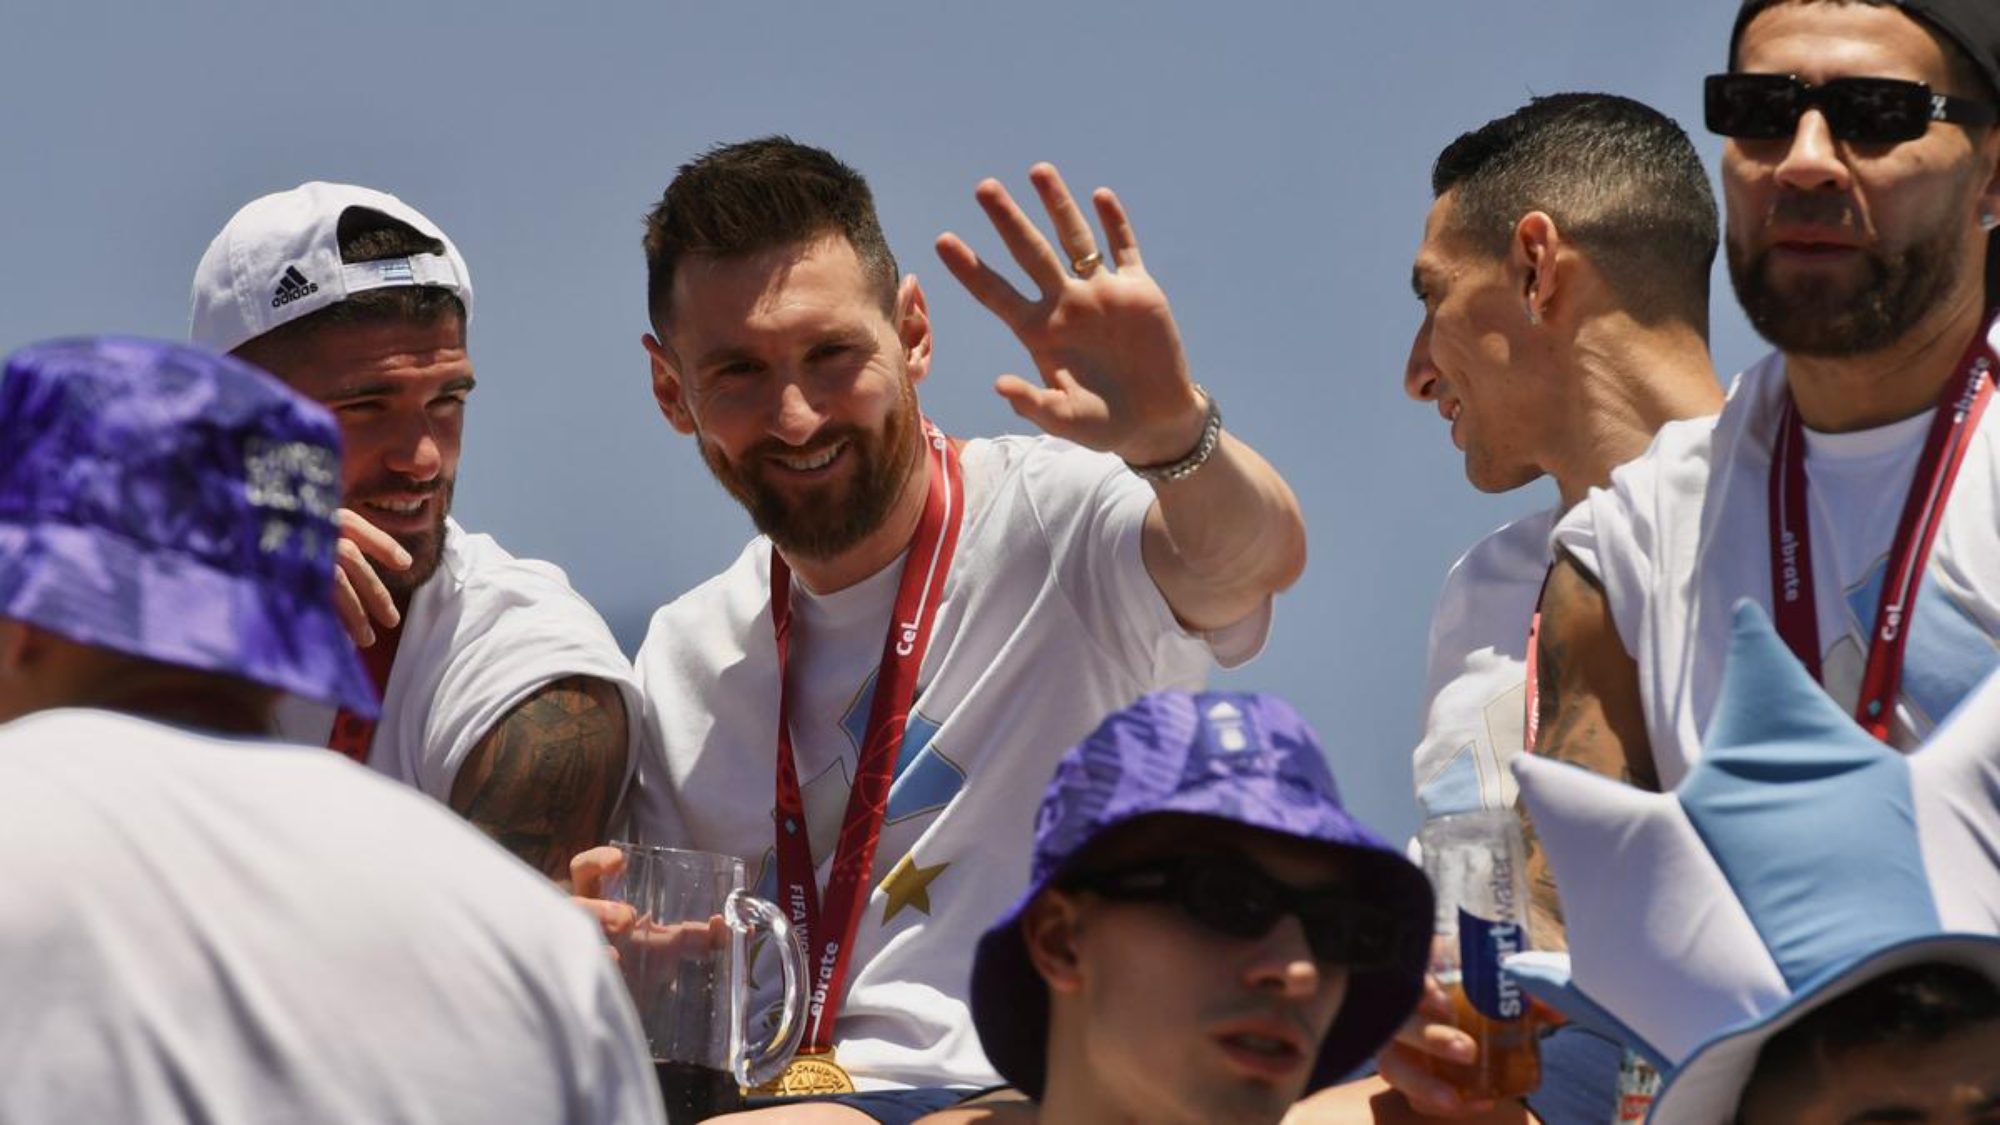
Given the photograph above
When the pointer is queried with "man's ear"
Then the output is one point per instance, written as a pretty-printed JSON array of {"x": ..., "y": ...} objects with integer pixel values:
[
  {"x": 668, "y": 390},
  {"x": 1049, "y": 930},
  {"x": 913, "y": 328},
  {"x": 1534, "y": 261}
]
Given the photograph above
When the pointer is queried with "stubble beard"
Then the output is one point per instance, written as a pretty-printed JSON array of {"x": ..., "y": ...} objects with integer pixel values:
[
  {"x": 426, "y": 548},
  {"x": 823, "y": 523},
  {"x": 1836, "y": 318}
]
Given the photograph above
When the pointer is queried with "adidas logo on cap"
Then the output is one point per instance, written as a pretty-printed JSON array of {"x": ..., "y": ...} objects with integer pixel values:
[{"x": 291, "y": 287}]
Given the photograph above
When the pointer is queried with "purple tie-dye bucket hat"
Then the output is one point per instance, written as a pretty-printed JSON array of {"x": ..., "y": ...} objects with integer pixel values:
[
  {"x": 1238, "y": 757},
  {"x": 177, "y": 505}
]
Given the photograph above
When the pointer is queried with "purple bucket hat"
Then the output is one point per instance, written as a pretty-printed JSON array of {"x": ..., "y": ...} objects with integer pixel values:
[
  {"x": 1238, "y": 757},
  {"x": 176, "y": 505}
]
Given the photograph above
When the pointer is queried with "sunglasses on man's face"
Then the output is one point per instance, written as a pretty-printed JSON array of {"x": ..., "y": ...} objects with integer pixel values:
[
  {"x": 1869, "y": 111},
  {"x": 1232, "y": 896}
]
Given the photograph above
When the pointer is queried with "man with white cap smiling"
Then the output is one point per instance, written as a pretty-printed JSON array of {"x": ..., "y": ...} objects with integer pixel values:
[
  {"x": 197, "y": 923},
  {"x": 504, "y": 695}
]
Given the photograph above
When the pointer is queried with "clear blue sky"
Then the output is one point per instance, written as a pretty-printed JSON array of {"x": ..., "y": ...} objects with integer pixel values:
[{"x": 1275, "y": 158}]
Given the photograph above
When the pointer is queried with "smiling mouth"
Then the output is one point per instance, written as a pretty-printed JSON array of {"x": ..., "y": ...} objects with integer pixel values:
[
  {"x": 397, "y": 507},
  {"x": 811, "y": 462}
]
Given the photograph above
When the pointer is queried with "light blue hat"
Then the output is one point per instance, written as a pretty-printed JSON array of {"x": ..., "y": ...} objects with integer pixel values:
[{"x": 1799, "y": 859}]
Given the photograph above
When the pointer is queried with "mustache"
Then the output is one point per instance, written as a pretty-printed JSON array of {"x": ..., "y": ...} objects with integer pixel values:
[
  {"x": 825, "y": 439},
  {"x": 1817, "y": 209},
  {"x": 380, "y": 485}
]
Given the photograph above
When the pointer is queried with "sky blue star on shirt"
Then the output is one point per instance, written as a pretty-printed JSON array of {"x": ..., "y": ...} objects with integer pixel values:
[{"x": 925, "y": 780}]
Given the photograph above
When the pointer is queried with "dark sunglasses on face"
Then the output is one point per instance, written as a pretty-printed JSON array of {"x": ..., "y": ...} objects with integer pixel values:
[
  {"x": 1231, "y": 895},
  {"x": 1868, "y": 111}
]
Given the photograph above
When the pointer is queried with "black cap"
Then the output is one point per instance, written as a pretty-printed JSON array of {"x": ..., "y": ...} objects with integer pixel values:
[{"x": 1972, "y": 24}]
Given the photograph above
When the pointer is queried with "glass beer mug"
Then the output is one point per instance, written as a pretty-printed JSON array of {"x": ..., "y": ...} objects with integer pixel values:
[
  {"x": 686, "y": 963},
  {"x": 1478, "y": 866}
]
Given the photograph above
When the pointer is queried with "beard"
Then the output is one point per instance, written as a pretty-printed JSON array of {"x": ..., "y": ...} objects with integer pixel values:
[
  {"x": 1833, "y": 317},
  {"x": 825, "y": 522},
  {"x": 426, "y": 547}
]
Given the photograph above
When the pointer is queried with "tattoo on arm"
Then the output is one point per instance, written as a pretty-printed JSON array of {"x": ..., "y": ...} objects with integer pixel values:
[
  {"x": 544, "y": 780},
  {"x": 1588, "y": 711}
]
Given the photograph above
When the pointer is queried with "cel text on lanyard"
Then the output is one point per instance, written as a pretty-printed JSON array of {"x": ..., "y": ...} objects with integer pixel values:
[{"x": 1953, "y": 424}]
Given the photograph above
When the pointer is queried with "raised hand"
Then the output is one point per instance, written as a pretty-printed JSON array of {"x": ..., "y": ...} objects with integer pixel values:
[
  {"x": 1100, "y": 332},
  {"x": 359, "y": 595}
]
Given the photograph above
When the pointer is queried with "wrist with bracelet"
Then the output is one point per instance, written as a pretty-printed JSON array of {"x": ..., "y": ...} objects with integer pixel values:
[{"x": 1204, "y": 448}]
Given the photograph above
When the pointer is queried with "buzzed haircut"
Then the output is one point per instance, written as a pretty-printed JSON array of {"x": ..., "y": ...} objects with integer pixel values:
[
  {"x": 740, "y": 199},
  {"x": 1620, "y": 180},
  {"x": 1911, "y": 1007},
  {"x": 1968, "y": 79},
  {"x": 366, "y": 235}
]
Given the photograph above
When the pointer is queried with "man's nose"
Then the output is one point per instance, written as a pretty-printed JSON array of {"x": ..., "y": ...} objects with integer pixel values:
[
  {"x": 415, "y": 453},
  {"x": 1812, "y": 161},
  {"x": 1420, "y": 378},
  {"x": 1284, "y": 963},
  {"x": 795, "y": 418}
]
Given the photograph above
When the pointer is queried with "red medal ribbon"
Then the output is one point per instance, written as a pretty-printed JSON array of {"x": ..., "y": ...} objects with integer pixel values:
[
  {"x": 1952, "y": 427},
  {"x": 828, "y": 934},
  {"x": 353, "y": 735}
]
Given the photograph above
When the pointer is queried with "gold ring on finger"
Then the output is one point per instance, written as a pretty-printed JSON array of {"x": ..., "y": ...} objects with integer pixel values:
[{"x": 1087, "y": 264}]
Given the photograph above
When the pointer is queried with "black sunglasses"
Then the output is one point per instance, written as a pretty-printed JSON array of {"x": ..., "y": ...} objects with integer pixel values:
[
  {"x": 1233, "y": 896},
  {"x": 1869, "y": 111}
]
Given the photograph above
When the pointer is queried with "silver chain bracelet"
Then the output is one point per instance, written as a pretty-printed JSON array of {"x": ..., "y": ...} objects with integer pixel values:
[{"x": 1204, "y": 448}]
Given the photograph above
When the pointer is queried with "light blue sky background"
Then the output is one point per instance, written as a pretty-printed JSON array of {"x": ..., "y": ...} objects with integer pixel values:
[{"x": 1275, "y": 158}]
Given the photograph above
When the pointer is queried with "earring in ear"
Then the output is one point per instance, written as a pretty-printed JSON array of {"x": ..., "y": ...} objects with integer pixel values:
[
  {"x": 1533, "y": 316},
  {"x": 1987, "y": 220}
]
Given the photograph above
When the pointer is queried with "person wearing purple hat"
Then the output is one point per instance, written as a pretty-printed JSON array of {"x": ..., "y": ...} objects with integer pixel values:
[
  {"x": 1851, "y": 484},
  {"x": 1207, "y": 934},
  {"x": 197, "y": 923}
]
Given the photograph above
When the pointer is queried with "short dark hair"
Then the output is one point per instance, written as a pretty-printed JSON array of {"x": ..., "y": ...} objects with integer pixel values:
[
  {"x": 738, "y": 199},
  {"x": 367, "y": 235},
  {"x": 1917, "y": 1005},
  {"x": 1968, "y": 78},
  {"x": 1619, "y": 178}
]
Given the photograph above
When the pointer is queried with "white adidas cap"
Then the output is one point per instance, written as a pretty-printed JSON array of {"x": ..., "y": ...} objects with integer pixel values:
[{"x": 279, "y": 259}]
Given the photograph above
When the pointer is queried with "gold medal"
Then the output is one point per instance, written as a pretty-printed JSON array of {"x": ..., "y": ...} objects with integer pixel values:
[{"x": 809, "y": 1073}]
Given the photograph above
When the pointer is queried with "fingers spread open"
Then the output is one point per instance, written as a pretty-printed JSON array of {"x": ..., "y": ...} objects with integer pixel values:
[
  {"x": 1023, "y": 240},
  {"x": 1117, "y": 229},
  {"x": 981, "y": 280},
  {"x": 1072, "y": 225}
]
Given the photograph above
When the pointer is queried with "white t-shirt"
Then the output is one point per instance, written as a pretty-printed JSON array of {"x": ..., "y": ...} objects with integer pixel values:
[
  {"x": 217, "y": 930},
  {"x": 1684, "y": 532},
  {"x": 1475, "y": 690},
  {"x": 1049, "y": 622},
  {"x": 480, "y": 636}
]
